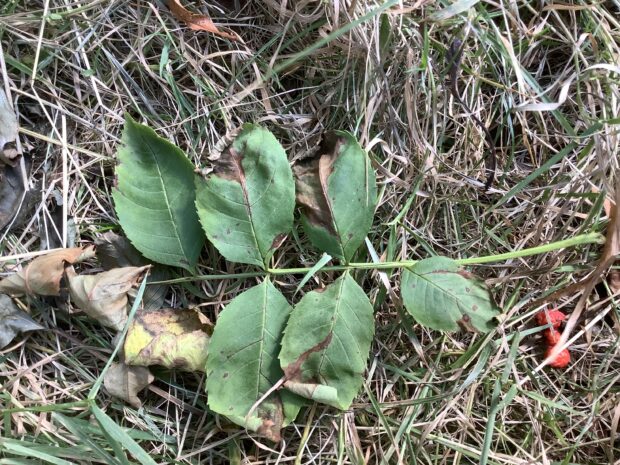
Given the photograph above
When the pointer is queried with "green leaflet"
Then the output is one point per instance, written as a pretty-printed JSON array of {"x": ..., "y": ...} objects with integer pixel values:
[
  {"x": 326, "y": 343},
  {"x": 155, "y": 198},
  {"x": 246, "y": 205},
  {"x": 337, "y": 191},
  {"x": 242, "y": 364},
  {"x": 441, "y": 295}
]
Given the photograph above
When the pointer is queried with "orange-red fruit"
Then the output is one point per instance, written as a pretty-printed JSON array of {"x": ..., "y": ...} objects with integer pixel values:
[
  {"x": 553, "y": 316},
  {"x": 561, "y": 360},
  {"x": 551, "y": 336}
]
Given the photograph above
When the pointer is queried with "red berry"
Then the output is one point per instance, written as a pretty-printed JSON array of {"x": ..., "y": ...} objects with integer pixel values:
[
  {"x": 551, "y": 336},
  {"x": 561, "y": 360},
  {"x": 553, "y": 316}
]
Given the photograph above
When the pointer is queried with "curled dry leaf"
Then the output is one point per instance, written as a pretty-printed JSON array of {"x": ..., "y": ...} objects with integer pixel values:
[
  {"x": 125, "y": 382},
  {"x": 197, "y": 22},
  {"x": 170, "y": 337},
  {"x": 103, "y": 296},
  {"x": 13, "y": 321},
  {"x": 42, "y": 275}
]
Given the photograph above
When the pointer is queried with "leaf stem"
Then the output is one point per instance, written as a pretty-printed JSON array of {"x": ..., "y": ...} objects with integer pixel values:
[{"x": 582, "y": 239}]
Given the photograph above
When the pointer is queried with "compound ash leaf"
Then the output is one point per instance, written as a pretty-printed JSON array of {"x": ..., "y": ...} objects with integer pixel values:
[
  {"x": 170, "y": 337},
  {"x": 440, "y": 295},
  {"x": 43, "y": 274},
  {"x": 326, "y": 343},
  {"x": 13, "y": 321},
  {"x": 337, "y": 192},
  {"x": 124, "y": 381},
  {"x": 197, "y": 22},
  {"x": 155, "y": 198},
  {"x": 246, "y": 205},
  {"x": 243, "y": 362},
  {"x": 103, "y": 296}
]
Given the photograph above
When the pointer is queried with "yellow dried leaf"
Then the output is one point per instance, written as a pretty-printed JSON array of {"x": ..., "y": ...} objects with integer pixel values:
[{"x": 169, "y": 337}]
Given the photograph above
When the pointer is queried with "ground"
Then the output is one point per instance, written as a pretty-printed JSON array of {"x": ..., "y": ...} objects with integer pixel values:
[{"x": 72, "y": 69}]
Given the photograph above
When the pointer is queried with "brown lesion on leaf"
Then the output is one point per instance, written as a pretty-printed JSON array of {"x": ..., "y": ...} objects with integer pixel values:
[
  {"x": 311, "y": 178},
  {"x": 466, "y": 325},
  {"x": 466, "y": 274},
  {"x": 228, "y": 166},
  {"x": 292, "y": 372},
  {"x": 278, "y": 241},
  {"x": 272, "y": 420}
]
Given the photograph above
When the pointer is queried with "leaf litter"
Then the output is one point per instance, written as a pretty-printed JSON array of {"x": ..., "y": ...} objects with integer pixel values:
[
  {"x": 14, "y": 321},
  {"x": 125, "y": 382},
  {"x": 42, "y": 276},
  {"x": 197, "y": 22}
]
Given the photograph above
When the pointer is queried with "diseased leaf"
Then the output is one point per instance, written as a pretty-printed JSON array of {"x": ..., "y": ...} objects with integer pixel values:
[
  {"x": 337, "y": 191},
  {"x": 195, "y": 21},
  {"x": 246, "y": 205},
  {"x": 43, "y": 274},
  {"x": 441, "y": 295},
  {"x": 103, "y": 296},
  {"x": 125, "y": 382},
  {"x": 13, "y": 321},
  {"x": 155, "y": 198},
  {"x": 114, "y": 251},
  {"x": 8, "y": 121},
  {"x": 170, "y": 337},
  {"x": 327, "y": 342},
  {"x": 243, "y": 362}
]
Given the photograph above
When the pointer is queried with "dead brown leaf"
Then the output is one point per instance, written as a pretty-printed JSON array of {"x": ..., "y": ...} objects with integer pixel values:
[
  {"x": 103, "y": 296},
  {"x": 125, "y": 382},
  {"x": 172, "y": 338},
  {"x": 197, "y": 22},
  {"x": 43, "y": 274}
]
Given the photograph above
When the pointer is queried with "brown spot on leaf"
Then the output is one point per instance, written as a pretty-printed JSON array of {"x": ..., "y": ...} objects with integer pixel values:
[
  {"x": 466, "y": 274},
  {"x": 278, "y": 241},
  {"x": 465, "y": 324},
  {"x": 474, "y": 308}
]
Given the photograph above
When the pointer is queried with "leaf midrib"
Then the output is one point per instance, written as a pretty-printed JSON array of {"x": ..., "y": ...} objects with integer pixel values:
[
  {"x": 331, "y": 328},
  {"x": 246, "y": 201},
  {"x": 147, "y": 144},
  {"x": 460, "y": 306}
]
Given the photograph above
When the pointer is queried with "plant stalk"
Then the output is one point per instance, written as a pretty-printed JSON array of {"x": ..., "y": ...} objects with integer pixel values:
[{"x": 582, "y": 239}]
